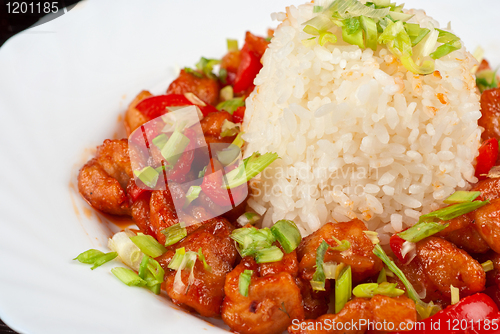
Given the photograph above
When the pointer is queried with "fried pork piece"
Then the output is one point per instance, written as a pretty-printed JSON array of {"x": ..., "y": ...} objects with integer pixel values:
[
  {"x": 273, "y": 300},
  {"x": 103, "y": 180},
  {"x": 489, "y": 188},
  {"x": 359, "y": 256},
  {"x": 444, "y": 265},
  {"x": 490, "y": 110},
  {"x": 133, "y": 117},
  {"x": 315, "y": 302},
  {"x": 468, "y": 239},
  {"x": 356, "y": 315},
  {"x": 487, "y": 223},
  {"x": 205, "y": 88},
  {"x": 206, "y": 293}
]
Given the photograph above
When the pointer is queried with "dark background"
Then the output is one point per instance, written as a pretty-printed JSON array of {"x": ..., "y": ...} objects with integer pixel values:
[{"x": 11, "y": 24}]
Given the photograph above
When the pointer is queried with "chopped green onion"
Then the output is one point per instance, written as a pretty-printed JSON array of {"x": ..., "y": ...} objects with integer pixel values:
[
  {"x": 95, "y": 257},
  {"x": 382, "y": 277},
  {"x": 462, "y": 197},
  {"x": 250, "y": 167},
  {"x": 451, "y": 43},
  {"x": 193, "y": 72},
  {"x": 248, "y": 218},
  {"x": 371, "y": 34},
  {"x": 343, "y": 289},
  {"x": 368, "y": 290},
  {"x": 326, "y": 37},
  {"x": 201, "y": 257},
  {"x": 287, "y": 233},
  {"x": 223, "y": 75},
  {"x": 270, "y": 254},
  {"x": 174, "y": 234},
  {"x": 202, "y": 172},
  {"x": 423, "y": 309},
  {"x": 487, "y": 266},
  {"x": 317, "y": 9},
  {"x": 343, "y": 245},
  {"x": 352, "y": 32},
  {"x": 373, "y": 236},
  {"x": 452, "y": 211},
  {"x": 207, "y": 65},
  {"x": 238, "y": 141},
  {"x": 151, "y": 272},
  {"x": 148, "y": 175},
  {"x": 400, "y": 16},
  {"x": 176, "y": 260},
  {"x": 127, "y": 251},
  {"x": 160, "y": 140},
  {"x": 421, "y": 231},
  {"x": 455, "y": 295},
  {"x": 232, "y": 45},
  {"x": 244, "y": 282},
  {"x": 229, "y": 129},
  {"x": 330, "y": 269},
  {"x": 416, "y": 33},
  {"x": 231, "y": 105},
  {"x": 226, "y": 93},
  {"x": 174, "y": 147},
  {"x": 251, "y": 239},
  {"x": 128, "y": 276},
  {"x": 192, "y": 194},
  {"x": 318, "y": 24},
  {"x": 486, "y": 79},
  {"x": 148, "y": 245},
  {"x": 319, "y": 277}
]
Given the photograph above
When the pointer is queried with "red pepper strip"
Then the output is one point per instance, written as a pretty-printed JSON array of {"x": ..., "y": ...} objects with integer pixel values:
[
  {"x": 213, "y": 187},
  {"x": 155, "y": 106},
  {"x": 476, "y": 314},
  {"x": 488, "y": 154},
  {"x": 183, "y": 165},
  {"x": 239, "y": 114},
  {"x": 396, "y": 243},
  {"x": 247, "y": 71},
  {"x": 134, "y": 191},
  {"x": 207, "y": 109}
]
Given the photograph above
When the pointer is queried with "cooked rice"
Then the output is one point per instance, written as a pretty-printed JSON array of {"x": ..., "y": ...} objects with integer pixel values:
[{"x": 358, "y": 135}]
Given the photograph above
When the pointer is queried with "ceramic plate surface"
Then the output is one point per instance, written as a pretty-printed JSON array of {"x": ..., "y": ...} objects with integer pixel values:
[{"x": 63, "y": 86}]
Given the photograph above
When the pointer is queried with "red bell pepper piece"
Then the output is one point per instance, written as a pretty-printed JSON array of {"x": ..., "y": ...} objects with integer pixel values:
[
  {"x": 213, "y": 187},
  {"x": 396, "y": 243},
  {"x": 247, "y": 71},
  {"x": 205, "y": 110},
  {"x": 476, "y": 314},
  {"x": 155, "y": 106},
  {"x": 239, "y": 114},
  {"x": 134, "y": 191},
  {"x": 488, "y": 154}
]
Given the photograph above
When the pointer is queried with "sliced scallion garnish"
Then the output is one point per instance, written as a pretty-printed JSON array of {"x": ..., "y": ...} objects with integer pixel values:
[
  {"x": 244, "y": 282},
  {"x": 287, "y": 234},
  {"x": 368, "y": 290},
  {"x": 486, "y": 79},
  {"x": 148, "y": 245},
  {"x": 251, "y": 239},
  {"x": 421, "y": 231},
  {"x": 455, "y": 295},
  {"x": 174, "y": 147},
  {"x": 226, "y": 93},
  {"x": 174, "y": 234},
  {"x": 319, "y": 277},
  {"x": 425, "y": 310},
  {"x": 128, "y": 276},
  {"x": 462, "y": 197},
  {"x": 229, "y": 129},
  {"x": 231, "y": 105},
  {"x": 270, "y": 254},
  {"x": 160, "y": 140},
  {"x": 201, "y": 257},
  {"x": 373, "y": 236},
  {"x": 248, "y": 218},
  {"x": 247, "y": 170},
  {"x": 207, "y": 65},
  {"x": 343, "y": 245},
  {"x": 452, "y": 211},
  {"x": 192, "y": 194},
  {"x": 370, "y": 28},
  {"x": 232, "y": 45},
  {"x": 176, "y": 260},
  {"x": 148, "y": 175},
  {"x": 487, "y": 266},
  {"x": 95, "y": 257},
  {"x": 330, "y": 269},
  {"x": 151, "y": 272},
  {"x": 343, "y": 289},
  {"x": 382, "y": 277}
]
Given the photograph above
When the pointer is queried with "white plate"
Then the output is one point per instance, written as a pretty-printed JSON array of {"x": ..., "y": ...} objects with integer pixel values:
[{"x": 62, "y": 87}]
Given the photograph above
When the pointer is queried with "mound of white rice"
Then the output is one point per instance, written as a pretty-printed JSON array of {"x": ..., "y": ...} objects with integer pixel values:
[{"x": 358, "y": 134}]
